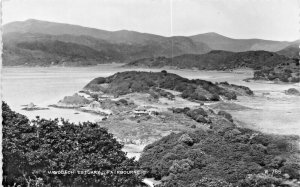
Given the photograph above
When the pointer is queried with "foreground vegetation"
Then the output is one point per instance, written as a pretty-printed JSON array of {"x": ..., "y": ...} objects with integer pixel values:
[
  {"x": 32, "y": 150},
  {"x": 229, "y": 156}
]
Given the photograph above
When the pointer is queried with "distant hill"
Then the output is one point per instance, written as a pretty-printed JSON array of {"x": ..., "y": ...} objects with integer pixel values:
[
  {"x": 213, "y": 40},
  {"x": 38, "y": 49},
  {"x": 23, "y": 41},
  {"x": 110, "y": 52},
  {"x": 291, "y": 51},
  {"x": 216, "y": 60},
  {"x": 218, "y": 42},
  {"x": 52, "y": 28},
  {"x": 116, "y": 46}
]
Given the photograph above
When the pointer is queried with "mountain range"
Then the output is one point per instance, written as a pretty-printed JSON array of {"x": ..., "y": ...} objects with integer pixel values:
[{"x": 35, "y": 42}]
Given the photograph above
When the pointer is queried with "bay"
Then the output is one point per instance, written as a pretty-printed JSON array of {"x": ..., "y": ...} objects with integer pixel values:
[{"x": 276, "y": 112}]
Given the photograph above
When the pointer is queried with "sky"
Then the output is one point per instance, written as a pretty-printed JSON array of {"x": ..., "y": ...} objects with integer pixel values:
[{"x": 264, "y": 19}]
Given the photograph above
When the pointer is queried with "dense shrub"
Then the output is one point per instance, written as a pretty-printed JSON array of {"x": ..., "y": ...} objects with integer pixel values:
[
  {"x": 230, "y": 95},
  {"x": 199, "y": 114},
  {"x": 285, "y": 72},
  {"x": 164, "y": 72},
  {"x": 180, "y": 166},
  {"x": 226, "y": 115},
  {"x": 185, "y": 138},
  {"x": 182, "y": 86},
  {"x": 99, "y": 80},
  {"x": 154, "y": 94},
  {"x": 122, "y": 102},
  {"x": 295, "y": 79},
  {"x": 277, "y": 162},
  {"x": 194, "y": 113},
  {"x": 164, "y": 93},
  {"x": 198, "y": 97},
  {"x": 186, "y": 109},
  {"x": 214, "y": 97},
  {"x": 31, "y": 149},
  {"x": 292, "y": 91},
  {"x": 177, "y": 110},
  {"x": 237, "y": 87},
  {"x": 284, "y": 78},
  {"x": 292, "y": 169},
  {"x": 200, "y": 119},
  {"x": 217, "y": 159}
]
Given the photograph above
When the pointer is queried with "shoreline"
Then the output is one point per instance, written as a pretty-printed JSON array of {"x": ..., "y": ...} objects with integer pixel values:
[
  {"x": 89, "y": 66},
  {"x": 259, "y": 87}
]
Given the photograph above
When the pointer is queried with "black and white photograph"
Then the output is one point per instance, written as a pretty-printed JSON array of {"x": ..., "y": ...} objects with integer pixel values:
[{"x": 150, "y": 93}]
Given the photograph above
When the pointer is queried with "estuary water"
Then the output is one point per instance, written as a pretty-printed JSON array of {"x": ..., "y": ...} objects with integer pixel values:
[{"x": 275, "y": 112}]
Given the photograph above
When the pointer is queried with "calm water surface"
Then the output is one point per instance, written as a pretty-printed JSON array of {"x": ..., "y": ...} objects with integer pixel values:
[{"x": 276, "y": 112}]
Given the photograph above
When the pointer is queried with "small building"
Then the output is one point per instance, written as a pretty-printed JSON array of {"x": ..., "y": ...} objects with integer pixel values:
[
  {"x": 153, "y": 111},
  {"x": 141, "y": 110},
  {"x": 94, "y": 105}
]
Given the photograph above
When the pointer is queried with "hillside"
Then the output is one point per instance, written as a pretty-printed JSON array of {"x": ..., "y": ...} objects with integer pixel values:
[
  {"x": 291, "y": 51},
  {"x": 213, "y": 40},
  {"x": 116, "y": 46},
  {"x": 288, "y": 71},
  {"x": 150, "y": 82},
  {"x": 216, "y": 60},
  {"x": 52, "y": 28},
  {"x": 218, "y": 42},
  {"x": 44, "y": 50},
  {"x": 103, "y": 46},
  {"x": 26, "y": 47},
  {"x": 227, "y": 157}
]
